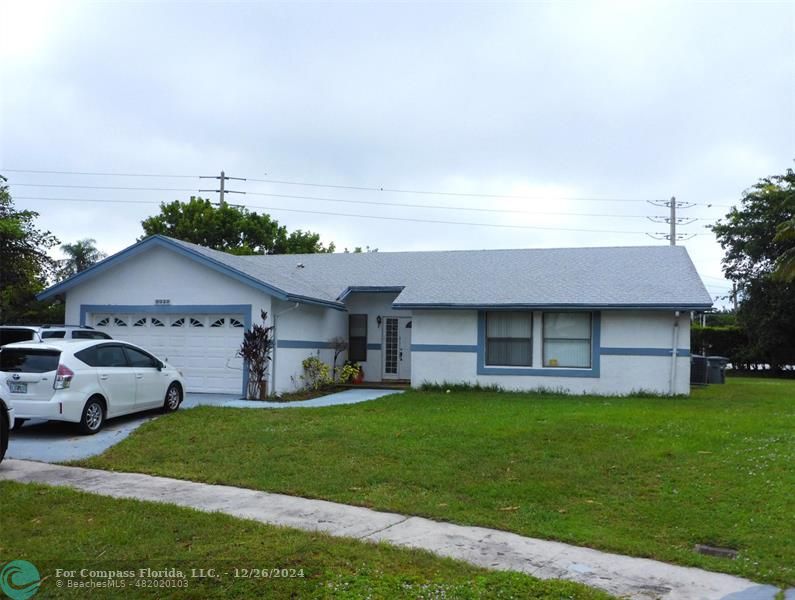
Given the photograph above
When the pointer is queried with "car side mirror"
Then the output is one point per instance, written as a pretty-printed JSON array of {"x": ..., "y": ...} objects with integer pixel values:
[{"x": 160, "y": 365}]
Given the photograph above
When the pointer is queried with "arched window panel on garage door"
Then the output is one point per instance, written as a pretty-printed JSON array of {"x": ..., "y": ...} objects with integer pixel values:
[{"x": 207, "y": 353}]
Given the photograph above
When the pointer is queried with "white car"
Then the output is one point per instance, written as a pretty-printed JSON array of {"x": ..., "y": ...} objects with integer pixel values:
[{"x": 85, "y": 381}]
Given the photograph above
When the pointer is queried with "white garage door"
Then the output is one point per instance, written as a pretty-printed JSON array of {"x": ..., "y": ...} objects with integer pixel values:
[{"x": 204, "y": 347}]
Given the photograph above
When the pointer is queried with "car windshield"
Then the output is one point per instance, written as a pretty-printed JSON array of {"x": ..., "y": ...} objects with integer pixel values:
[
  {"x": 24, "y": 360},
  {"x": 9, "y": 336}
]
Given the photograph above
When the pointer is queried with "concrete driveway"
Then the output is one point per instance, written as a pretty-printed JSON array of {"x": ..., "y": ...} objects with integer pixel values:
[{"x": 53, "y": 441}]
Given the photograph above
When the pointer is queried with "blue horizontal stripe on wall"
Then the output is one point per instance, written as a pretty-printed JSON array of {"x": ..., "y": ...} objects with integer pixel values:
[
  {"x": 443, "y": 348},
  {"x": 373, "y": 346},
  {"x": 302, "y": 344},
  {"x": 643, "y": 351}
]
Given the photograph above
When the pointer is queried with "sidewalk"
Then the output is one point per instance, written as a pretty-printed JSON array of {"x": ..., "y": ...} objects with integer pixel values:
[{"x": 616, "y": 574}]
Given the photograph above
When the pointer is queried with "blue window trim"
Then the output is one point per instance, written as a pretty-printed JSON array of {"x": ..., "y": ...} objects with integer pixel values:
[
  {"x": 215, "y": 265},
  {"x": 242, "y": 309},
  {"x": 374, "y": 346},
  {"x": 593, "y": 371}
]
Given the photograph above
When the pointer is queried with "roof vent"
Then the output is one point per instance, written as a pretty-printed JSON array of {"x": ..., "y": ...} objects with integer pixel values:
[{"x": 299, "y": 266}]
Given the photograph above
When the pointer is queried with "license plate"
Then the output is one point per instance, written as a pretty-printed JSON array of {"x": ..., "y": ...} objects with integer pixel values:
[{"x": 18, "y": 388}]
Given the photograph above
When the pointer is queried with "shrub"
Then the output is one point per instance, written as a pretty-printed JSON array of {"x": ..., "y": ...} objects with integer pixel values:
[{"x": 317, "y": 374}]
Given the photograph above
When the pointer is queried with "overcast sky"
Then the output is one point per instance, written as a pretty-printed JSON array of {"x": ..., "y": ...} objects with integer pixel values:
[{"x": 555, "y": 102}]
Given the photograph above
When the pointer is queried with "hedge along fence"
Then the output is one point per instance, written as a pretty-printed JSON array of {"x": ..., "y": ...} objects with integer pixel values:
[{"x": 729, "y": 341}]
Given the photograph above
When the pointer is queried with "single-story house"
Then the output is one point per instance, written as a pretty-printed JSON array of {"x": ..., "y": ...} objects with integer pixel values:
[{"x": 597, "y": 320}]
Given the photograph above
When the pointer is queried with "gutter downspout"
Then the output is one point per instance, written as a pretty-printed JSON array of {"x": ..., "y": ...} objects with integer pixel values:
[
  {"x": 276, "y": 316},
  {"x": 674, "y": 347}
]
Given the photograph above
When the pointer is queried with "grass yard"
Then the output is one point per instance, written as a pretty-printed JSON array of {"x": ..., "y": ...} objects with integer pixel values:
[
  {"x": 641, "y": 476},
  {"x": 58, "y": 528}
]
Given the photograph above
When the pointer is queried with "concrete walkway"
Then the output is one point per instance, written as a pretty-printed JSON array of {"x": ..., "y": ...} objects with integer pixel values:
[
  {"x": 53, "y": 441},
  {"x": 616, "y": 574}
]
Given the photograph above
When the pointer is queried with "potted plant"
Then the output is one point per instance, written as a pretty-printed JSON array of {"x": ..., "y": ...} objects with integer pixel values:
[{"x": 352, "y": 372}]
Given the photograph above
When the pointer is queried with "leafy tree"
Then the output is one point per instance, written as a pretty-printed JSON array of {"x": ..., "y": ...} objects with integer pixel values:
[
  {"x": 230, "y": 229},
  {"x": 25, "y": 266},
  {"x": 785, "y": 267},
  {"x": 750, "y": 236},
  {"x": 79, "y": 256}
]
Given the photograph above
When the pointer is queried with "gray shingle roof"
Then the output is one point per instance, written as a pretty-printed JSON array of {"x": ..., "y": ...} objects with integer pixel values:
[{"x": 616, "y": 276}]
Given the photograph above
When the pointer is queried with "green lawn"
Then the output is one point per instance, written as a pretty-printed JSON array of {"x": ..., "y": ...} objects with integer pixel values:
[
  {"x": 56, "y": 528},
  {"x": 641, "y": 476}
]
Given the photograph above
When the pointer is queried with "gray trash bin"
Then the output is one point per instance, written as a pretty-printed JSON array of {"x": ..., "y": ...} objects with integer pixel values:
[{"x": 716, "y": 369}]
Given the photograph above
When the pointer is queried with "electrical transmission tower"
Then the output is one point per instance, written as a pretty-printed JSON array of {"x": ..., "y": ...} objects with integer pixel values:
[
  {"x": 672, "y": 220},
  {"x": 222, "y": 188}
]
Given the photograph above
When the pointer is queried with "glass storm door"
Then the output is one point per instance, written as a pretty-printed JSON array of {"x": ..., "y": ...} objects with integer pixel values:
[{"x": 397, "y": 348}]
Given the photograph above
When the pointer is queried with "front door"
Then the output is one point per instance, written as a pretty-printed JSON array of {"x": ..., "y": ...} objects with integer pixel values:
[{"x": 397, "y": 348}]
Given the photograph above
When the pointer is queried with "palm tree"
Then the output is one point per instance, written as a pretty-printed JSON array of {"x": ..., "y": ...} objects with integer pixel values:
[
  {"x": 785, "y": 265},
  {"x": 79, "y": 256}
]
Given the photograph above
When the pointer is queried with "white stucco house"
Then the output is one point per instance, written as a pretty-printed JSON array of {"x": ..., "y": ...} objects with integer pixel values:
[{"x": 597, "y": 320}]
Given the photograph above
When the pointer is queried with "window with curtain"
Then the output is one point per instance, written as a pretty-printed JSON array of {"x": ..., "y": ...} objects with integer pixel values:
[
  {"x": 567, "y": 340},
  {"x": 509, "y": 339},
  {"x": 357, "y": 338}
]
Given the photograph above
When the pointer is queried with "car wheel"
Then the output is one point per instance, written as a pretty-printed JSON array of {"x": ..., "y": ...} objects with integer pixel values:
[
  {"x": 18, "y": 423},
  {"x": 93, "y": 416},
  {"x": 173, "y": 398}
]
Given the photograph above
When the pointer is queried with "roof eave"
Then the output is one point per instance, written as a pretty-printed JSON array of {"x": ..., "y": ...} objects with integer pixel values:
[{"x": 546, "y": 306}]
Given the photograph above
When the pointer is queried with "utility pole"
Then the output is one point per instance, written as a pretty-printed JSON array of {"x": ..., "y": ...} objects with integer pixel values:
[
  {"x": 222, "y": 188},
  {"x": 672, "y": 220}
]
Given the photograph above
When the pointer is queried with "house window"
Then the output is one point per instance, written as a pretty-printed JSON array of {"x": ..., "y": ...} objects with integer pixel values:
[
  {"x": 196, "y": 323},
  {"x": 178, "y": 323},
  {"x": 357, "y": 338},
  {"x": 509, "y": 339},
  {"x": 157, "y": 322},
  {"x": 140, "y": 322},
  {"x": 567, "y": 340},
  {"x": 218, "y": 322},
  {"x": 235, "y": 323}
]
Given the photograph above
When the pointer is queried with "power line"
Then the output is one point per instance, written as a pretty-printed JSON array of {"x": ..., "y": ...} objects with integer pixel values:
[
  {"x": 469, "y": 195},
  {"x": 104, "y": 187},
  {"x": 162, "y": 175},
  {"x": 359, "y": 216},
  {"x": 438, "y": 193},
  {"x": 457, "y": 208},
  {"x": 342, "y": 200},
  {"x": 362, "y": 188}
]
